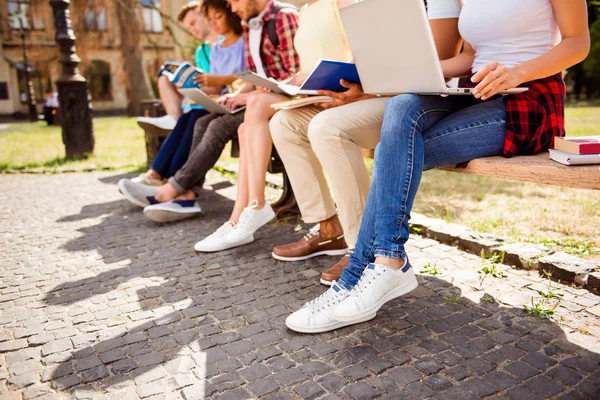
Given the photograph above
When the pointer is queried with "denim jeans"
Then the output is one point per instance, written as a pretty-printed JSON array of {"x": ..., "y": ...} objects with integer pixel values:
[
  {"x": 175, "y": 149},
  {"x": 418, "y": 133}
]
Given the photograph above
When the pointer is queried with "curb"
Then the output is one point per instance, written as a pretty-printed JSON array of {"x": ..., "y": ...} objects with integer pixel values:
[{"x": 561, "y": 267}]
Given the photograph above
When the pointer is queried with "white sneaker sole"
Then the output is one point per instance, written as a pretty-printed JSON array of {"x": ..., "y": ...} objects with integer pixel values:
[
  {"x": 129, "y": 197},
  {"x": 170, "y": 215},
  {"x": 147, "y": 125},
  {"x": 328, "y": 328},
  {"x": 397, "y": 292},
  {"x": 224, "y": 245},
  {"x": 318, "y": 253},
  {"x": 326, "y": 283}
]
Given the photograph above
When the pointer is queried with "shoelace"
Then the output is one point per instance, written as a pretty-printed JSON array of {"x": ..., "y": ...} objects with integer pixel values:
[
  {"x": 368, "y": 277},
  {"x": 311, "y": 234},
  {"x": 246, "y": 215},
  {"x": 327, "y": 299}
]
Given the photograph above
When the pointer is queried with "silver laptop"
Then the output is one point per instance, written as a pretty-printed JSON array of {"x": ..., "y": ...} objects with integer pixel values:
[
  {"x": 394, "y": 50},
  {"x": 207, "y": 102}
]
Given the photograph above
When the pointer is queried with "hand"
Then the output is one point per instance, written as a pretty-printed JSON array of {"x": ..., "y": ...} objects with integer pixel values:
[
  {"x": 208, "y": 80},
  {"x": 263, "y": 89},
  {"x": 223, "y": 99},
  {"x": 354, "y": 93},
  {"x": 165, "y": 193},
  {"x": 236, "y": 101},
  {"x": 493, "y": 78},
  {"x": 297, "y": 79}
]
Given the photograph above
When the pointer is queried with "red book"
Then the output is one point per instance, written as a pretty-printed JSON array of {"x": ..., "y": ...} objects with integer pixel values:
[{"x": 578, "y": 144}]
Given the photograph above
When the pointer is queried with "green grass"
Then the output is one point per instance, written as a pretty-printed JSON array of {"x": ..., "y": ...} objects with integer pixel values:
[{"x": 35, "y": 146}]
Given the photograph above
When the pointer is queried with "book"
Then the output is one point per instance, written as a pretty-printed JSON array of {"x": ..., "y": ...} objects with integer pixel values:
[
  {"x": 325, "y": 76},
  {"x": 184, "y": 75},
  {"x": 573, "y": 159},
  {"x": 208, "y": 102},
  {"x": 300, "y": 102},
  {"x": 168, "y": 69},
  {"x": 578, "y": 145}
]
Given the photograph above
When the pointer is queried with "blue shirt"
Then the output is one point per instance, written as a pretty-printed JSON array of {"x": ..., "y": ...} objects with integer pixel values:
[{"x": 228, "y": 60}]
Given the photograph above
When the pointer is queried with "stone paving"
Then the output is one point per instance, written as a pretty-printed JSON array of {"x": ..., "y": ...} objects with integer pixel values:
[{"x": 98, "y": 302}]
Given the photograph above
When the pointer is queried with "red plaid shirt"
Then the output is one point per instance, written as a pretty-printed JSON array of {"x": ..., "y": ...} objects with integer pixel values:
[
  {"x": 279, "y": 63},
  {"x": 534, "y": 118}
]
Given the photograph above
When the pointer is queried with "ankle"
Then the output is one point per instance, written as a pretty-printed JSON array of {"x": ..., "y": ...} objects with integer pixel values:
[
  {"x": 153, "y": 174},
  {"x": 189, "y": 195},
  {"x": 331, "y": 227},
  {"x": 393, "y": 263},
  {"x": 260, "y": 204}
]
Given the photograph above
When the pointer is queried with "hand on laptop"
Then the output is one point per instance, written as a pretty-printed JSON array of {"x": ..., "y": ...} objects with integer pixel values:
[
  {"x": 493, "y": 78},
  {"x": 354, "y": 93}
]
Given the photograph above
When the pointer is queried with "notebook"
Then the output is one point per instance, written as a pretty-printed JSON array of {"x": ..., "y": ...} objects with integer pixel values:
[{"x": 325, "y": 76}]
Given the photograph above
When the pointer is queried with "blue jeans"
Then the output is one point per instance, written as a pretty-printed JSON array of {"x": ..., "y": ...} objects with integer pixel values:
[
  {"x": 418, "y": 133},
  {"x": 175, "y": 149}
]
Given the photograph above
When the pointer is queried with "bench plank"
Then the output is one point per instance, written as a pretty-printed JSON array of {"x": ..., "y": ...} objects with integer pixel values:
[{"x": 537, "y": 169}]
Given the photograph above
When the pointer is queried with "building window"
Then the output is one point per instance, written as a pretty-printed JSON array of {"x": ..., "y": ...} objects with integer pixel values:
[
  {"x": 25, "y": 14},
  {"x": 35, "y": 76},
  {"x": 151, "y": 15},
  {"x": 95, "y": 17},
  {"x": 99, "y": 80}
]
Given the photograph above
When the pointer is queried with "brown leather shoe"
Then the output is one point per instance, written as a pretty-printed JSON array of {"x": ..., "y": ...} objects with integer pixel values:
[
  {"x": 334, "y": 273},
  {"x": 311, "y": 245}
]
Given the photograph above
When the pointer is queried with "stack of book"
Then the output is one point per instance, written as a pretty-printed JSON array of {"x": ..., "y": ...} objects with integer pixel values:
[{"x": 576, "y": 150}]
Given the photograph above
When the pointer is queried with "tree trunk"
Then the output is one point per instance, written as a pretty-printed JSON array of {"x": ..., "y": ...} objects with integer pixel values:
[{"x": 133, "y": 59}]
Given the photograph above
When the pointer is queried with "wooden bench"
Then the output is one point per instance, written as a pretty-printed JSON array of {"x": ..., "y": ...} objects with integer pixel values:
[{"x": 538, "y": 169}]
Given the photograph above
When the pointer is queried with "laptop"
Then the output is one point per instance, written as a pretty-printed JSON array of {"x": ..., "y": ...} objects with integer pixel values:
[
  {"x": 394, "y": 50},
  {"x": 208, "y": 102}
]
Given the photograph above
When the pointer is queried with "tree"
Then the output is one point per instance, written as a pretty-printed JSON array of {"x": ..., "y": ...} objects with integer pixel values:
[{"x": 131, "y": 51}]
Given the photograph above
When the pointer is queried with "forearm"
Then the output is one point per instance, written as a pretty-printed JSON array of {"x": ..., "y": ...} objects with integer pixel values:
[
  {"x": 212, "y": 90},
  {"x": 227, "y": 79},
  {"x": 568, "y": 53},
  {"x": 458, "y": 66}
]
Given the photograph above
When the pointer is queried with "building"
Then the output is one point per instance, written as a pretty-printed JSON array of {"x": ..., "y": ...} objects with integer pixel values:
[{"x": 96, "y": 26}]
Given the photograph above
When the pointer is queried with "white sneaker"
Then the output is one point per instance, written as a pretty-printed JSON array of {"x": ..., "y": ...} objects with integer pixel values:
[
  {"x": 148, "y": 181},
  {"x": 165, "y": 122},
  {"x": 250, "y": 221},
  {"x": 378, "y": 285},
  {"x": 171, "y": 211},
  {"x": 217, "y": 241},
  {"x": 317, "y": 316},
  {"x": 137, "y": 193}
]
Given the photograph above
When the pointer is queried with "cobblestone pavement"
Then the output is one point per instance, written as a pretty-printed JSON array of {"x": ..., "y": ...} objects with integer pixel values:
[{"x": 99, "y": 302}]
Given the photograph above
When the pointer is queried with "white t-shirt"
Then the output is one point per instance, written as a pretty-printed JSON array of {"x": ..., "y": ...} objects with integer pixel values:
[
  {"x": 508, "y": 31},
  {"x": 255, "y": 36},
  {"x": 440, "y": 9}
]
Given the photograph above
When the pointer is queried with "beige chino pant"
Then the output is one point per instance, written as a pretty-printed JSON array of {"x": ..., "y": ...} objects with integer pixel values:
[{"x": 311, "y": 141}]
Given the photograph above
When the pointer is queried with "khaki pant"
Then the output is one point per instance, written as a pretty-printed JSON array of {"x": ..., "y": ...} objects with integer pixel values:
[{"x": 310, "y": 140}]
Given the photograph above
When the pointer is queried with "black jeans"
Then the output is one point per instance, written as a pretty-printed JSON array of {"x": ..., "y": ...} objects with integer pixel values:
[{"x": 211, "y": 134}]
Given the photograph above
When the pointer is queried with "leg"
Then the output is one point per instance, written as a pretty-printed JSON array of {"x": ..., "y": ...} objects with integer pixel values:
[
  {"x": 337, "y": 137},
  {"x": 259, "y": 143},
  {"x": 169, "y": 147},
  {"x": 182, "y": 151},
  {"x": 289, "y": 130},
  {"x": 242, "y": 198},
  {"x": 220, "y": 130},
  {"x": 170, "y": 97}
]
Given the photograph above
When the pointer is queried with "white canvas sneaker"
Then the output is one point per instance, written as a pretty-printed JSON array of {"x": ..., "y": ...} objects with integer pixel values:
[
  {"x": 165, "y": 122},
  {"x": 250, "y": 221},
  {"x": 378, "y": 285},
  {"x": 171, "y": 211},
  {"x": 217, "y": 241},
  {"x": 137, "y": 193},
  {"x": 317, "y": 316}
]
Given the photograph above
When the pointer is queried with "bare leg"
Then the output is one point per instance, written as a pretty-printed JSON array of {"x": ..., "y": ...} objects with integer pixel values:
[
  {"x": 241, "y": 200},
  {"x": 170, "y": 97},
  {"x": 259, "y": 142}
]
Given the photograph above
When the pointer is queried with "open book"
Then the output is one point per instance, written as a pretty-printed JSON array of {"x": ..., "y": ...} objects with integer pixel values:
[
  {"x": 183, "y": 76},
  {"x": 325, "y": 76},
  {"x": 300, "y": 102},
  {"x": 209, "y": 103}
]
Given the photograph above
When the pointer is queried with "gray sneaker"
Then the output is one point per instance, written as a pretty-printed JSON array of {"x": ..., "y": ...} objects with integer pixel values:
[{"x": 137, "y": 193}]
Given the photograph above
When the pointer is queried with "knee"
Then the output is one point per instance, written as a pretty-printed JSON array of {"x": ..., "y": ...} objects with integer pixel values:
[
  {"x": 282, "y": 127},
  {"x": 257, "y": 106},
  {"x": 163, "y": 82},
  {"x": 323, "y": 128}
]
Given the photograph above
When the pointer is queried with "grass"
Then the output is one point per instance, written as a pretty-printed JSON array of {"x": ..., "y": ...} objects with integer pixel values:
[
  {"x": 563, "y": 219},
  {"x": 35, "y": 146},
  {"x": 431, "y": 269}
]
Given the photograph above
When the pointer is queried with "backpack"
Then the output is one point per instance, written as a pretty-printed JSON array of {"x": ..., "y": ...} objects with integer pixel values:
[{"x": 272, "y": 25}]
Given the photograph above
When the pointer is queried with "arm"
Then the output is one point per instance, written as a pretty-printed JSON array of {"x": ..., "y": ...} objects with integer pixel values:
[
  {"x": 287, "y": 24},
  {"x": 459, "y": 65},
  {"x": 447, "y": 38},
  {"x": 571, "y": 16}
]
